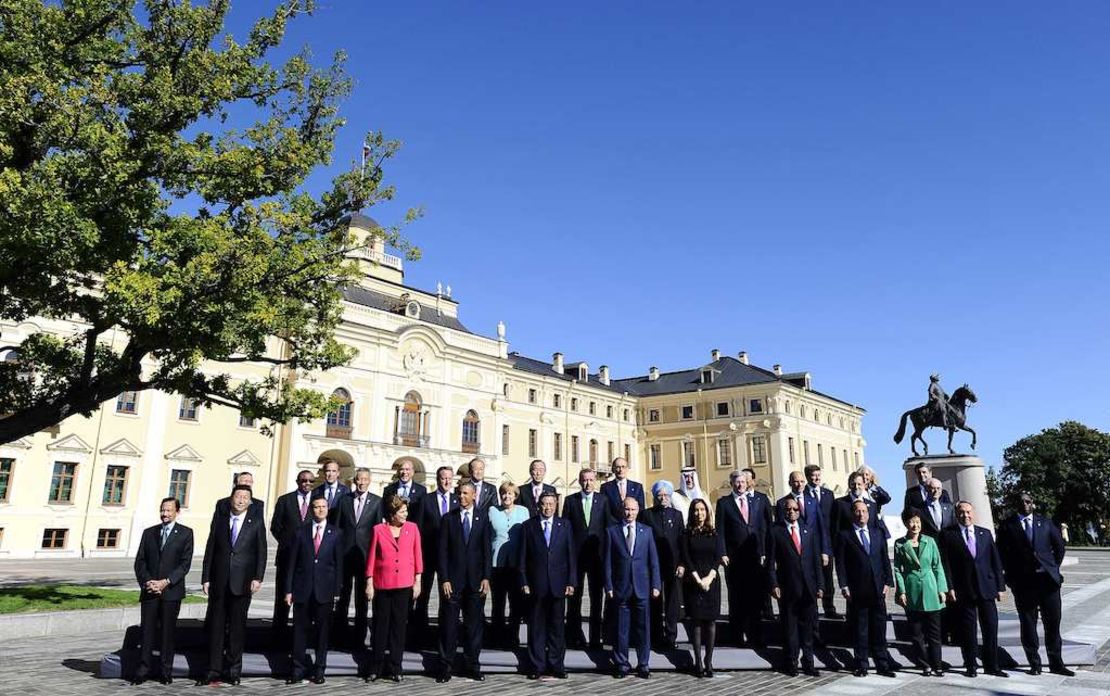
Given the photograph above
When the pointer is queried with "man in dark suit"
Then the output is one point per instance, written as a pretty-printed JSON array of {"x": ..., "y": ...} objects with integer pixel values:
[
  {"x": 547, "y": 575},
  {"x": 485, "y": 492},
  {"x": 358, "y": 513},
  {"x": 588, "y": 514},
  {"x": 843, "y": 515},
  {"x": 809, "y": 514},
  {"x": 821, "y": 498},
  {"x": 429, "y": 519},
  {"x": 258, "y": 507},
  {"x": 667, "y": 527},
  {"x": 164, "y": 557},
  {"x": 631, "y": 570},
  {"x": 233, "y": 569},
  {"x": 332, "y": 489},
  {"x": 975, "y": 581},
  {"x": 863, "y": 569},
  {"x": 794, "y": 573},
  {"x": 465, "y": 566},
  {"x": 1032, "y": 550},
  {"x": 936, "y": 515},
  {"x": 406, "y": 487},
  {"x": 310, "y": 586},
  {"x": 290, "y": 510},
  {"x": 918, "y": 496},
  {"x": 620, "y": 487},
  {"x": 745, "y": 557},
  {"x": 764, "y": 519},
  {"x": 531, "y": 490}
]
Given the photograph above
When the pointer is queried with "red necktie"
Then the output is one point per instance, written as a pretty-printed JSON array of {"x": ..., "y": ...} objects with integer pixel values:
[
  {"x": 316, "y": 541},
  {"x": 794, "y": 536},
  {"x": 744, "y": 507},
  {"x": 304, "y": 507}
]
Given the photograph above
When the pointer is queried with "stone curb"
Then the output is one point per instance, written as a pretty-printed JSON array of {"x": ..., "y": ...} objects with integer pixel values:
[{"x": 72, "y": 623}]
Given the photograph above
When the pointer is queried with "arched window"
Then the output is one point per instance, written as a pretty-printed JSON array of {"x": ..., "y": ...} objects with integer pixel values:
[
  {"x": 410, "y": 422},
  {"x": 339, "y": 420},
  {"x": 470, "y": 432},
  {"x": 593, "y": 452}
]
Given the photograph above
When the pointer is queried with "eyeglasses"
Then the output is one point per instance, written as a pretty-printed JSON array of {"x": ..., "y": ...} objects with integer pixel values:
[{"x": 304, "y": 480}]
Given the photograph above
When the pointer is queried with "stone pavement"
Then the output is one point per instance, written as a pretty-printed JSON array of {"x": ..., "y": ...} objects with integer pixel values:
[{"x": 56, "y": 665}]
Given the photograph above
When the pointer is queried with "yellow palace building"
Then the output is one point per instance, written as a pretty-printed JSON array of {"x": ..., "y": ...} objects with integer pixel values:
[{"x": 422, "y": 388}]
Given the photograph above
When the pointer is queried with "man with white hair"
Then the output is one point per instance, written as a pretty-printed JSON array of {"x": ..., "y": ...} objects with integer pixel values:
[
  {"x": 688, "y": 491},
  {"x": 667, "y": 526}
]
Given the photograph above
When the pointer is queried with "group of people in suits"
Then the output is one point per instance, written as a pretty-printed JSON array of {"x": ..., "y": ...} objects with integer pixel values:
[{"x": 643, "y": 568}]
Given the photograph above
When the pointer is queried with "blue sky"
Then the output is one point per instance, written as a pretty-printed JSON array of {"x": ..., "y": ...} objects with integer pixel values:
[{"x": 868, "y": 191}]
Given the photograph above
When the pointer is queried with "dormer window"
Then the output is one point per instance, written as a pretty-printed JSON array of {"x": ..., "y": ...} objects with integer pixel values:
[
  {"x": 412, "y": 309},
  {"x": 707, "y": 376},
  {"x": 582, "y": 374}
]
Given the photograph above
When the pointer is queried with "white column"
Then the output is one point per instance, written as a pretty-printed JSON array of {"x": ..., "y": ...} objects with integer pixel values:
[{"x": 153, "y": 473}]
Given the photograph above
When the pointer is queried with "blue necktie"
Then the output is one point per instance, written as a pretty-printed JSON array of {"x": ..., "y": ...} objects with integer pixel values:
[
  {"x": 165, "y": 535},
  {"x": 234, "y": 530},
  {"x": 1029, "y": 530},
  {"x": 547, "y": 532},
  {"x": 466, "y": 527},
  {"x": 864, "y": 538}
]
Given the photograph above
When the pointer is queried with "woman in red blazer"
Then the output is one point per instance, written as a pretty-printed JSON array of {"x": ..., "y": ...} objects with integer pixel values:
[{"x": 393, "y": 569}]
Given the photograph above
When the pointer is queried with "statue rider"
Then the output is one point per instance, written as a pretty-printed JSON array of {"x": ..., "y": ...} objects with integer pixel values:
[{"x": 938, "y": 400}]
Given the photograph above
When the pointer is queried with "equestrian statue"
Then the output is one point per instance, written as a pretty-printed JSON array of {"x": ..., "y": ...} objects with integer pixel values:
[{"x": 941, "y": 411}]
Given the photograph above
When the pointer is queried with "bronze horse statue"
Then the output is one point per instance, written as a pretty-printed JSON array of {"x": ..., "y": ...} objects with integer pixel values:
[{"x": 926, "y": 417}]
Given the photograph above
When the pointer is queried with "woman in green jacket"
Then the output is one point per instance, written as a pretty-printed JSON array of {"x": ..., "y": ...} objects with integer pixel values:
[{"x": 921, "y": 586}]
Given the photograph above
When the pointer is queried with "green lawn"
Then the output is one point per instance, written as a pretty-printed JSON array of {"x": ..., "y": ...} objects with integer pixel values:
[{"x": 32, "y": 598}]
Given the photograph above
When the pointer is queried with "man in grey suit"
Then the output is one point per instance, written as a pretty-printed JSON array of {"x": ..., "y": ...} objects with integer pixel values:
[{"x": 358, "y": 513}]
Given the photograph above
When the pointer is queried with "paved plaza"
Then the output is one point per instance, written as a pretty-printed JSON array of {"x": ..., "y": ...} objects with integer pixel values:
[{"x": 69, "y": 664}]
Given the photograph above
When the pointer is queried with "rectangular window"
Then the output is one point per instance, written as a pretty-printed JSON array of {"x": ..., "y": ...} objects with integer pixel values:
[
  {"x": 532, "y": 442},
  {"x": 593, "y": 408},
  {"x": 856, "y": 455},
  {"x": 188, "y": 409},
  {"x": 832, "y": 457},
  {"x": 504, "y": 439},
  {"x": 689, "y": 456},
  {"x": 179, "y": 486},
  {"x": 574, "y": 449},
  {"x": 609, "y": 411},
  {"x": 127, "y": 402},
  {"x": 557, "y": 444},
  {"x": 790, "y": 448},
  {"x": 820, "y": 455},
  {"x": 61, "y": 483},
  {"x": 626, "y": 412},
  {"x": 107, "y": 539},
  {"x": 557, "y": 400},
  {"x": 722, "y": 408},
  {"x": 759, "y": 450},
  {"x": 115, "y": 485},
  {"x": 687, "y": 412},
  {"x": 611, "y": 450},
  {"x": 653, "y": 415},
  {"x": 574, "y": 403},
  {"x": 628, "y": 454},
  {"x": 724, "y": 454},
  {"x": 805, "y": 452},
  {"x": 845, "y": 460},
  {"x": 7, "y": 468},
  {"x": 245, "y": 422},
  {"x": 655, "y": 456},
  {"x": 54, "y": 538},
  {"x": 531, "y": 396},
  {"x": 755, "y": 406}
]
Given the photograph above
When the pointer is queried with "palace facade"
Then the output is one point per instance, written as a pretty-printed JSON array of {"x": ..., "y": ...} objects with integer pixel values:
[{"x": 422, "y": 388}]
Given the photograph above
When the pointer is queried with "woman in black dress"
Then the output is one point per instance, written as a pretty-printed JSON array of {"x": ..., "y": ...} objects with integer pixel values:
[{"x": 702, "y": 550}]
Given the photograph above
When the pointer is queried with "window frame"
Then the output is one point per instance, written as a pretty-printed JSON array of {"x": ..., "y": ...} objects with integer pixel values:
[
  {"x": 682, "y": 412},
  {"x": 63, "y": 476},
  {"x": 53, "y": 532},
  {"x": 171, "y": 491},
  {"x": 7, "y": 477},
  {"x": 134, "y": 411},
  {"x": 182, "y": 410},
  {"x": 655, "y": 457},
  {"x": 112, "y": 483},
  {"x": 102, "y": 536}
]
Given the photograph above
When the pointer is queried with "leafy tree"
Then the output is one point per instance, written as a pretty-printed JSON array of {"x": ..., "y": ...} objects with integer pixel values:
[
  {"x": 129, "y": 200},
  {"x": 1066, "y": 469}
]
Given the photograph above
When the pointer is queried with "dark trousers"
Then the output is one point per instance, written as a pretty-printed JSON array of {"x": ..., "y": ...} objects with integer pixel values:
[
  {"x": 926, "y": 637},
  {"x": 391, "y": 611},
  {"x": 281, "y": 609},
  {"x": 867, "y": 621},
  {"x": 589, "y": 576},
  {"x": 798, "y": 618},
  {"x": 745, "y": 603},
  {"x": 633, "y": 627},
  {"x": 547, "y": 645},
  {"x": 966, "y": 612},
  {"x": 354, "y": 581},
  {"x": 505, "y": 588},
  {"x": 827, "y": 599},
  {"x": 307, "y": 615},
  {"x": 159, "y": 626},
  {"x": 226, "y": 612},
  {"x": 1041, "y": 597},
  {"x": 665, "y": 609},
  {"x": 472, "y": 606},
  {"x": 418, "y": 615}
]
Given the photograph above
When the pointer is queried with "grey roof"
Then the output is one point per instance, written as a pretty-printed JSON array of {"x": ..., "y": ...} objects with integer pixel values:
[
  {"x": 370, "y": 298},
  {"x": 730, "y": 373},
  {"x": 363, "y": 221},
  {"x": 539, "y": 367}
]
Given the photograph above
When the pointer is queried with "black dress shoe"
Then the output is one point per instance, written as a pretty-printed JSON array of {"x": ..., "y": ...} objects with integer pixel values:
[
  {"x": 859, "y": 672},
  {"x": 643, "y": 673},
  {"x": 233, "y": 681},
  {"x": 166, "y": 680},
  {"x": 372, "y": 677},
  {"x": 810, "y": 672},
  {"x": 996, "y": 673},
  {"x": 938, "y": 672},
  {"x": 886, "y": 672},
  {"x": 135, "y": 681},
  {"x": 971, "y": 672},
  {"x": 791, "y": 671},
  {"x": 620, "y": 674},
  {"x": 533, "y": 676},
  {"x": 396, "y": 678},
  {"x": 561, "y": 674},
  {"x": 443, "y": 678},
  {"x": 318, "y": 679},
  {"x": 294, "y": 680},
  {"x": 1061, "y": 670},
  {"x": 1035, "y": 670},
  {"x": 477, "y": 675}
]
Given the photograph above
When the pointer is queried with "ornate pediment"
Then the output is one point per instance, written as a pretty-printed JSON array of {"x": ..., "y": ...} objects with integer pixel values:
[
  {"x": 185, "y": 453},
  {"x": 122, "y": 447},
  {"x": 244, "y": 458},
  {"x": 70, "y": 443},
  {"x": 21, "y": 443}
]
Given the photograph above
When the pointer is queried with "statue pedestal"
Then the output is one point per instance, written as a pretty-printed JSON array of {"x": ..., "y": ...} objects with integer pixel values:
[{"x": 964, "y": 477}]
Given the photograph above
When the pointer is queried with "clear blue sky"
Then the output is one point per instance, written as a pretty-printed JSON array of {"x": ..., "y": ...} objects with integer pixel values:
[{"x": 868, "y": 191}]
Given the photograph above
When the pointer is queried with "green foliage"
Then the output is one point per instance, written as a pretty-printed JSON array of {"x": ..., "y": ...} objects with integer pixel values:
[
  {"x": 35, "y": 598},
  {"x": 1066, "y": 469},
  {"x": 113, "y": 122}
]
